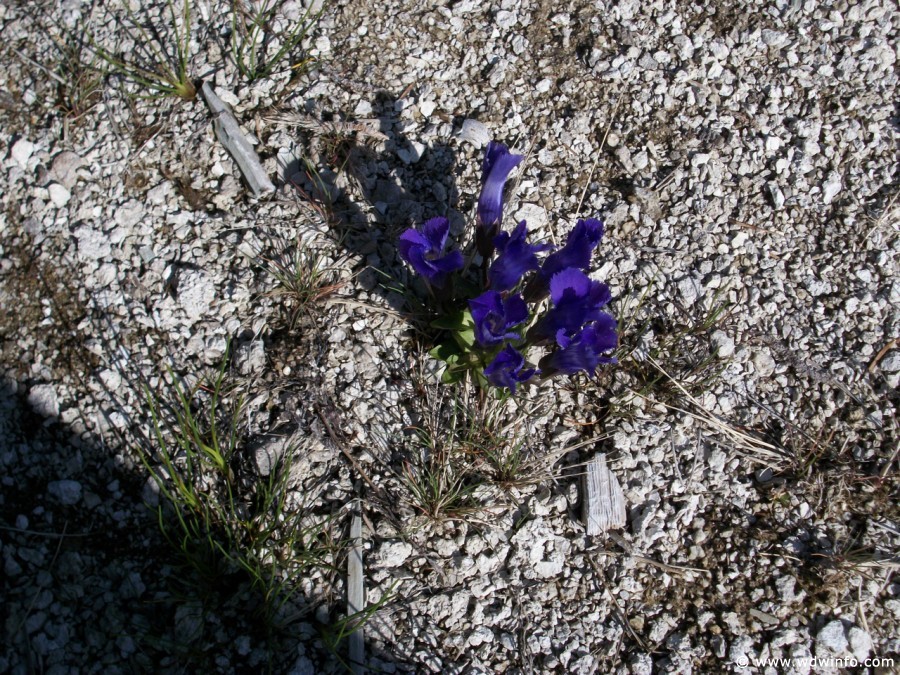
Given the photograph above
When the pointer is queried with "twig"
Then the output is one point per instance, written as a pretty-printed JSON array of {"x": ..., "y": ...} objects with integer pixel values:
[
  {"x": 49, "y": 535},
  {"x": 339, "y": 442},
  {"x": 46, "y": 70},
  {"x": 597, "y": 159},
  {"x": 601, "y": 575},
  {"x": 881, "y": 353},
  {"x": 356, "y": 598}
]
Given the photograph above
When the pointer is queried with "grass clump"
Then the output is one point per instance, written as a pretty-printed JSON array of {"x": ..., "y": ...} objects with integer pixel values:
[
  {"x": 683, "y": 348},
  {"x": 80, "y": 84},
  {"x": 460, "y": 459},
  {"x": 159, "y": 64},
  {"x": 219, "y": 515},
  {"x": 302, "y": 278},
  {"x": 261, "y": 39}
]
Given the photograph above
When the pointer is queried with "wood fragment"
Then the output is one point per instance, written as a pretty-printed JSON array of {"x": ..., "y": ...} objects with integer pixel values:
[
  {"x": 229, "y": 134},
  {"x": 893, "y": 344},
  {"x": 604, "y": 502},
  {"x": 356, "y": 597}
]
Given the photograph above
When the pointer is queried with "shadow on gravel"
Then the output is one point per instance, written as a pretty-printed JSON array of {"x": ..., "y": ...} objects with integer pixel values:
[
  {"x": 402, "y": 187},
  {"x": 88, "y": 577}
]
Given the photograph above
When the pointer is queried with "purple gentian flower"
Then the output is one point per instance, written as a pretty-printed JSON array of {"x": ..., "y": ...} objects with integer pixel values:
[
  {"x": 494, "y": 316},
  {"x": 515, "y": 257},
  {"x": 508, "y": 369},
  {"x": 580, "y": 244},
  {"x": 577, "y": 300},
  {"x": 584, "y": 350},
  {"x": 498, "y": 162},
  {"x": 423, "y": 251}
]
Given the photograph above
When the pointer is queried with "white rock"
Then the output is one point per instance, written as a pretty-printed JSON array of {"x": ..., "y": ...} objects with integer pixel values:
[
  {"x": 59, "y": 195},
  {"x": 43, "y": 400},
  {"x": 130, "y": 213},
  {"x": 506, "y": 19},
  {"x": 21, "y": 152},
  {"x": 427, "y": 107},
  {"x": 64, "y": 169},
  {"x": 723, "y": 344},
  {"x": 67, "y": 492},
  {"x": 394, "y": 553},
  {"x": 641, "y": 664},
  {"x": 831, "y": 640},
  {"x": 860, "y": 643},
  {"x": 196, "y": 291},
  {"x": 891, "y": 363},
  {"x": 763, "y": 363},
  {"x": 739, "y": 239},
  {"x": 323, "y": 44},
  {"x": 110, "y": 379},
  {"x": 777, "y": 196},
  {"x": 480, "y": 636},
  {"x": 689, "y": 290},
  {"x": 534, "y": 215},
  {"x": 831, "y": 187},
  {"x": 475, "y": 133},
  {"x": 251, "y": 358},
  {"x": 92, "y": 244}
]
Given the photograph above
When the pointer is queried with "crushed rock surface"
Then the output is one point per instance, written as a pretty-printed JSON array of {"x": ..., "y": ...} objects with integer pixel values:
[{"x": 743, "y": 157}]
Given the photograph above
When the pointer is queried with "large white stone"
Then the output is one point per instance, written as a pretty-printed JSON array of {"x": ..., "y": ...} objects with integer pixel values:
[{"x": 43, "y": 400}]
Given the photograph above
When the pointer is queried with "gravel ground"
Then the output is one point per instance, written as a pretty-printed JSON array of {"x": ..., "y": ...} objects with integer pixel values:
[{"x": 743, "y": 157}]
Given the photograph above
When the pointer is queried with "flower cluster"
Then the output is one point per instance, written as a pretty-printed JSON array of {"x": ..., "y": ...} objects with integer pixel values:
[{"x": 492, "y": 333}]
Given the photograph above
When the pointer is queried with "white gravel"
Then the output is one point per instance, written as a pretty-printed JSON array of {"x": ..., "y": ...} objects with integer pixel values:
[{"x": 743, "y": 158}]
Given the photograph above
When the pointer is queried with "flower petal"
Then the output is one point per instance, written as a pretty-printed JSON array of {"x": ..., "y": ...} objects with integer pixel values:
[
  {"x": 569, "y": 283},
  {"x": 494, "y": 317},
  {"x": 498, "y": 163},
  {"x": 580, "y": 244},
  {"x": 585, "y": 351},
  {"x": 435, "y": 231},
  {"x": 515, "y": 258},
  {"x": 507, "y": 369}
]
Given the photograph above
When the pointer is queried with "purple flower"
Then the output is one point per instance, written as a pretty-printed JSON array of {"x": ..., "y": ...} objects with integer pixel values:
[
  {"x": 584, "y": 350},
  {"x": 577, "y": 300},
  {"x": 508, "y": 369},
  {"x": 498, "y": 162},
  {"x": 580, "y": 243},
  {"x": 423, "y": 251},
  {"x": 515, "y": 257},
  {"x": 494, "y": 317}
]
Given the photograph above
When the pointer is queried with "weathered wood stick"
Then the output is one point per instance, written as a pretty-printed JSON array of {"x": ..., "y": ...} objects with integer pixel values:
[
  {"x": 229, "y": 134},
  {"x": 604, "y": 502},
  {"x": 356, "y": 597}
]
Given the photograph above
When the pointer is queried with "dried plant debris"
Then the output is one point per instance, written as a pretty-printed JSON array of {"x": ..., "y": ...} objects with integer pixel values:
[{"x": 744, "y": 166}]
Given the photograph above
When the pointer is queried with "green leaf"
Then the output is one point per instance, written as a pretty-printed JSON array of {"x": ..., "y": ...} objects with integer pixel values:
[
  {"x": 453, "y": 375},
  {"x": 453, "y": 321},
  {"x": 445, "y": 351},
  {"x": 465, "y": 338}
]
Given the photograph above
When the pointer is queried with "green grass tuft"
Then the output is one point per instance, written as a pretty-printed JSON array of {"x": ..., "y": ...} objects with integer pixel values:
[
  {"x": 258, "y": 46},
  {"x": 220, "y": 516},
  {"x": 301, "y": 278},
  {"x": 157, "y": 68}
]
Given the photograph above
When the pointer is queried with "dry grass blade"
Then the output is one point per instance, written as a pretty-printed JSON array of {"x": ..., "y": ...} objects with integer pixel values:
[{"x": 751, "y": 447}]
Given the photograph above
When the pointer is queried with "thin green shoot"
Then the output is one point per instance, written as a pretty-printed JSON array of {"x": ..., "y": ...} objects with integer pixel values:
[
  {"x": 338, "y": 631},
  {"x": 218, "y": 520},
  {"x": 158, "y": 73},
  {"x": 253, "y": 37}
]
